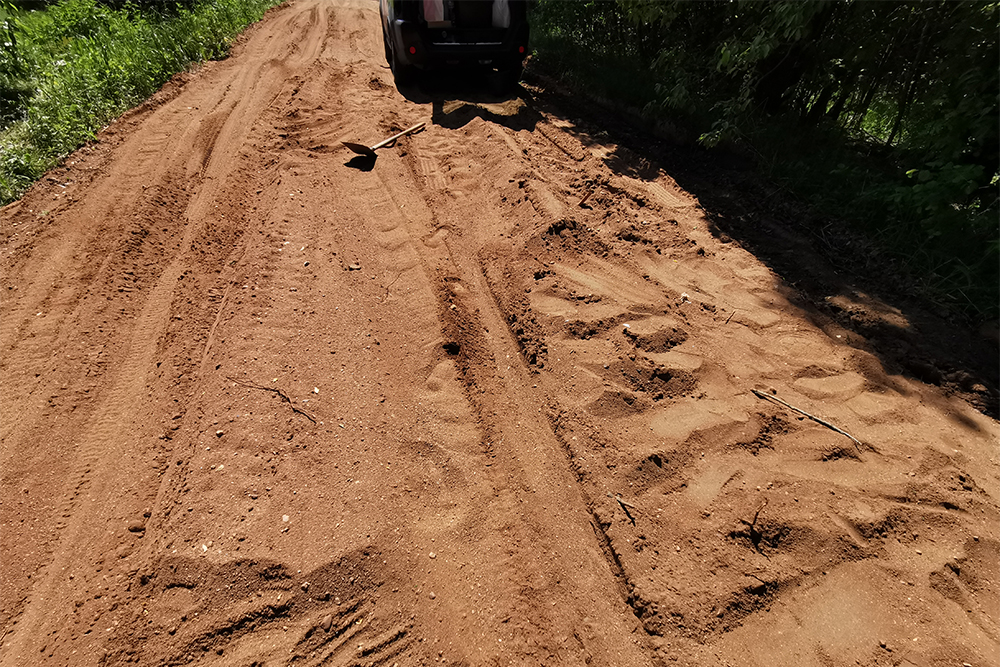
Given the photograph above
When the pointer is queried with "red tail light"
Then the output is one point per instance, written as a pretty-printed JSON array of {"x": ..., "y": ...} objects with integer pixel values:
[
  {"x": 520, "y": 49},
  {"x": 413, "y": 50}
]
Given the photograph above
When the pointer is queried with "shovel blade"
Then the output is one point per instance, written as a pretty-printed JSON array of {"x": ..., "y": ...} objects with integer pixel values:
[{"x": 360, "y": 149}]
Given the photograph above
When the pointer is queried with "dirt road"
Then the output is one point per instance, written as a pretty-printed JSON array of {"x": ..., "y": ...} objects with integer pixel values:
[{"x": 268, "y": 404}]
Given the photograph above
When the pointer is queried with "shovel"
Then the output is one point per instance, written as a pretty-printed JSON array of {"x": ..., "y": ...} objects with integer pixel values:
[{"x": 361, "y": 149}]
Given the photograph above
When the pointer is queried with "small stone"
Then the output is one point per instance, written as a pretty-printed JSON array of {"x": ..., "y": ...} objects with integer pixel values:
[
  {"x": 136, "y": 526},
  {"x": 305, "y": 586},
  {"x": 354, "y": 267},
  {"x": 432, "y": 595},
  {"x": 432, "y": 555},
  {"x": 219, "y": 434},
  {"x": 284, "y": 518},
  {"x": 326, "y": 623}
]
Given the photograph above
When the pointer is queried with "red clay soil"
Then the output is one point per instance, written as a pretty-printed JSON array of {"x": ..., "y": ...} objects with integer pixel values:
[{"x": 265, "y": 403}]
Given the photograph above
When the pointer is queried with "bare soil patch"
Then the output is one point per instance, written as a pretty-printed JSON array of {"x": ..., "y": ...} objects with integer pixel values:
[{"x": 487, "y": 400}]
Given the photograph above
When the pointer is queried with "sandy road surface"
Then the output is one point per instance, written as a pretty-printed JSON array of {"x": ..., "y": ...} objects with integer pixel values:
[{"x": 266, "y": 405}]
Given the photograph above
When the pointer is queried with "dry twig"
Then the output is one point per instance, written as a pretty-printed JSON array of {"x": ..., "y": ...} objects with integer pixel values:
[
  {"x": 752, "y": 526},
  {"x": 391, "y": 282},
  {"x": 274, "y": 390},
  {"x": 625, "y": 507},
  {"x": 769, "y": 397}
]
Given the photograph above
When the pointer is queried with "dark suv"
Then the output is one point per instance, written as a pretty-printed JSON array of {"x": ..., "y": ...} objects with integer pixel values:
[{"x": 435, "y": 34}]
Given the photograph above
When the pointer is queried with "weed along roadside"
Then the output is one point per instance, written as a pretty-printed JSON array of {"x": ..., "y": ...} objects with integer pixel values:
[{"x": 70, "y": 67}]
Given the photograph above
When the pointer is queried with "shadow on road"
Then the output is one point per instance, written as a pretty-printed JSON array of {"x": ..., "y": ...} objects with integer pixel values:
[
  {"x": 456, "y": 98},
  {"x": 837, "y": 277},
  {"x": 361, "y": 162}
]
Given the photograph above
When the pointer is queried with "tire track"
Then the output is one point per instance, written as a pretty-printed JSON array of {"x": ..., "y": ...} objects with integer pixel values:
[
  {"x": 506, "y": 415},
  {"x": 104, "y": 438}
]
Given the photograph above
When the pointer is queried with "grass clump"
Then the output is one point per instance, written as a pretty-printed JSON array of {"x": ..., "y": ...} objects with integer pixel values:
[{"x": 68, "y": 69}]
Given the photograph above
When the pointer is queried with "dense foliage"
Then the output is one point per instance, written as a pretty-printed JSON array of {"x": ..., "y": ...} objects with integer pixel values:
[
  {"x": 885, "y": 113},
  {"x": 68, "y": 67}
]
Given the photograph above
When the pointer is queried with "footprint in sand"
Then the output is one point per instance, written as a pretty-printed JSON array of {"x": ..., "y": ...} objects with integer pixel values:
[{"x": 655, "y": 334}]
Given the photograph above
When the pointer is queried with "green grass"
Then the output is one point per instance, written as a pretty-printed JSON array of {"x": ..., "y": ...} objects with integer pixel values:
[{"x": 67, "y": 70}]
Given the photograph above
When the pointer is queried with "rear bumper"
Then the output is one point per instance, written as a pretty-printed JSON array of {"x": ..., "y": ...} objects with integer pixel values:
[{"x": 420, "y": 46}]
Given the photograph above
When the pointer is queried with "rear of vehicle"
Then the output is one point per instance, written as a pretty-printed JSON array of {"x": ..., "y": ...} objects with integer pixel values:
[{"x": 437, "y": 34}]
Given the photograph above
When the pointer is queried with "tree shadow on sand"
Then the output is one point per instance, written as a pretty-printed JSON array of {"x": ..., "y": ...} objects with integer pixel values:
[{"x": 834, "y": 275}]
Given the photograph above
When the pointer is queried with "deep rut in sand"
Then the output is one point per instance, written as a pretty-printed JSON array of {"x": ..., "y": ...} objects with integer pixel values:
[{"x": 488, "y": 399}]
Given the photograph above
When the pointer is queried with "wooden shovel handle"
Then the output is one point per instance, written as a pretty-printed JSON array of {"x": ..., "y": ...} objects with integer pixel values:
[{"x": 409, "y": 130}]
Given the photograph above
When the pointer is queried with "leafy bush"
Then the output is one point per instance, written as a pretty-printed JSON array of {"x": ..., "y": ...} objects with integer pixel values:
[{"x": 69, "y": 69}]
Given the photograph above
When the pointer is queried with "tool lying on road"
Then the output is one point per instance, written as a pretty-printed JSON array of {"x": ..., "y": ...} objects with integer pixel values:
[{"x": 361, "y": 149}]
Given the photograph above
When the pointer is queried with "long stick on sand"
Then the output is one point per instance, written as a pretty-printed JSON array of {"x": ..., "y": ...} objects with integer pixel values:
[{"x": 769, "y": 397}]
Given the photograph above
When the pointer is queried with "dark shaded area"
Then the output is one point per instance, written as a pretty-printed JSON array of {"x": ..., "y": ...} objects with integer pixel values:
[
  {"x": 458, "y": 96},
  {"x": 835, "y": 276},
  {"x": 362, "y": 162},
  {"x": 883, "y": 114},
  {"x": 14, "y": 96}
]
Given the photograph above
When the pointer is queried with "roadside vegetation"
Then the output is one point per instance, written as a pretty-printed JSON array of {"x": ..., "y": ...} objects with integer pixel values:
[
  {"x": 67, "y": 68},
  {"x": 881, "y": 114}
]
